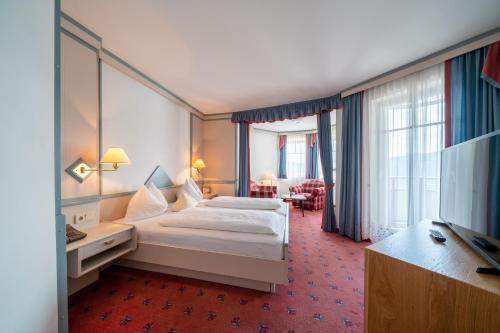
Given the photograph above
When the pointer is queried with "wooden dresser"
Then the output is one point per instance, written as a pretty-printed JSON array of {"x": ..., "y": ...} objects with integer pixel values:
[{"x": 414, "y": 284}]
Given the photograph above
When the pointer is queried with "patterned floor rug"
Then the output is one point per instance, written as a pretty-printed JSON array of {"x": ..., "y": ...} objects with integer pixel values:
[{"x": 324, "y": 294}]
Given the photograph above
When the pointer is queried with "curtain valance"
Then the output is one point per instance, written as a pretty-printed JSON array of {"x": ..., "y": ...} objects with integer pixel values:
[{"x": 287, "y": 111}]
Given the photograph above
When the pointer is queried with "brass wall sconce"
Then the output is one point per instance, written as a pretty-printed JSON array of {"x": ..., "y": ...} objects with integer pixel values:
[{"x": 81, "y": 170}]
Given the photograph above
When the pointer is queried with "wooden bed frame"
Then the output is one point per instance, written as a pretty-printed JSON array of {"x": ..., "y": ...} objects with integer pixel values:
[{"x": 237, "y": 270}]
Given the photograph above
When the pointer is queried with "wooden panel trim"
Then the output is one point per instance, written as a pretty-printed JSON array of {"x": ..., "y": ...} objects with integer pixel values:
[
  {"x": 80, "y": 200},
  {"x": 124, "y": 194},
  {"x": 124, "y": 67},
  {"x": 75, "y": 28},
  {"x": 219, "y": 181},
  {"x": 79, "y": 30}
]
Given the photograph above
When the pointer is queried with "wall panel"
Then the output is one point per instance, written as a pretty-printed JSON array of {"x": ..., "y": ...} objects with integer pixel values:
[
  {"x": 219, "y": 151},
  {"x": 197, "y": 150},
  {"x": 219, "y": 141},
  {"x": 152, "y": 130},
  {"x": 79, "y": 114}
]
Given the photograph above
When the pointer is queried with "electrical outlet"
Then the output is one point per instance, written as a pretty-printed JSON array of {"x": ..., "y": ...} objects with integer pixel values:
[{"x": 80, "y": 218}]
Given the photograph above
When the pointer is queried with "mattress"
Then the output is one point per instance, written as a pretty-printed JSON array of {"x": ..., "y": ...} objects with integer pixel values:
[{"x": 266, "y": 246}]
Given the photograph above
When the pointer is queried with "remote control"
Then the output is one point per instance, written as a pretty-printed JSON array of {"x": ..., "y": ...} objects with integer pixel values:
[
  {"x": 485, "y": 244},
  {"x": 440, "y": 223},
  {"x": 438, "y": 236}
]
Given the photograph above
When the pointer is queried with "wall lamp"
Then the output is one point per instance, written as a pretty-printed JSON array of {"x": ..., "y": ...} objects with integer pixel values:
[
  {"x": 80, "y": 169},
  {"x": 198, "y": 165}
]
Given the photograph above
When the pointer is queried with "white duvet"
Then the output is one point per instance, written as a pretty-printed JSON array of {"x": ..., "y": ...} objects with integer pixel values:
[
  {"x": 244, "y": 203},
  {"x": 238, "y": 220}
]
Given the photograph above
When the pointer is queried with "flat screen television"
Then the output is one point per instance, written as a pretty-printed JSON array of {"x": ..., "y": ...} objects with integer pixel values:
[{"x": 470, "y": 192}]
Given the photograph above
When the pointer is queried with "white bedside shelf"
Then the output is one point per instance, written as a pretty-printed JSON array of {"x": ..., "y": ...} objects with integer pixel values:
[{"x": 104, "y": 243}]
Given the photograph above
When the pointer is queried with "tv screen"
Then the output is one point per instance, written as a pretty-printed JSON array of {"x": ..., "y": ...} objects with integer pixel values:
[{"x": 470, "y": 185}]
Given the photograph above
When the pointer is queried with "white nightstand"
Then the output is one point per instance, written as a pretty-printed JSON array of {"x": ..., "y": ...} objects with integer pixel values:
[{"x": 104, "y": 243}]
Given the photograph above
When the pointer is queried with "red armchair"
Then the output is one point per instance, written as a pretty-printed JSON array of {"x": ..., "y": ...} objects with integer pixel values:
[
  {"x": 314, "y": 191},
  {"x": 263, "y": 191}
]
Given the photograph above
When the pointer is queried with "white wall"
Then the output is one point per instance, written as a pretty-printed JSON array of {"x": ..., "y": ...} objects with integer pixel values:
[
  {"x": 152, "y": 130},
  {"x": 28, "y": 292},
  {"x": 263, "y": 154},
  {"x": 79, "y": 115},
  {"x": 284, "y": 184},
  {"x": 264, "y": 158}
]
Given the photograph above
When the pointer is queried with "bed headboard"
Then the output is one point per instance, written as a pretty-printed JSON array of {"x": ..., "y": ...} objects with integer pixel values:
[{"x": 159, "y": 178}]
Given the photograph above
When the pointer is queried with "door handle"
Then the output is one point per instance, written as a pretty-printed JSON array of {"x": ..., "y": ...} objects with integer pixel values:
[{"x": 109, "y": 242}]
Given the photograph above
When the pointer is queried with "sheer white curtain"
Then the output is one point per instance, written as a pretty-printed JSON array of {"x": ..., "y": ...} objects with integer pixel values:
[
  {"x": 296, "y": 156},
  {"x": 403, "y": 134}
]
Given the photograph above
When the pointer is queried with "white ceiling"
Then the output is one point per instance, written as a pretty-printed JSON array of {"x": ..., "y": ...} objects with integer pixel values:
[{"x": 232, "y": 55}]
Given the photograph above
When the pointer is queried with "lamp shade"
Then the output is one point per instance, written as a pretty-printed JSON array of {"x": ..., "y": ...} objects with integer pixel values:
[
  {"x": 115, "y": 155},
  {"x": 199, "y": 164},
  {"x": 271, "y": 176}
]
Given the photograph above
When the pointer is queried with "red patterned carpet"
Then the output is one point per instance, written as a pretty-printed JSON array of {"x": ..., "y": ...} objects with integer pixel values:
[{"x": 325, "y": 294}]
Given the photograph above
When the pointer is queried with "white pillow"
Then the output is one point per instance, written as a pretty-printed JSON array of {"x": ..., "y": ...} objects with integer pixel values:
[
  {"x": 143, "y": 205},
  {"x": 158, "y": 195},
  {"x": 184, "y": 200},
  {"x": 196, "y": 187},
  {"x": 191, "y": 190}
]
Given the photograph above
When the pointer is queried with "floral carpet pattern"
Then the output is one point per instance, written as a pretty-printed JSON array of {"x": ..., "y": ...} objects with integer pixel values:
[{"x": 324, "y": 294}]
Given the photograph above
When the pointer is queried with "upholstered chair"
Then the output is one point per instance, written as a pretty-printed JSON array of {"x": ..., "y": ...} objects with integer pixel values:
[{"x": 314, "y": 191}]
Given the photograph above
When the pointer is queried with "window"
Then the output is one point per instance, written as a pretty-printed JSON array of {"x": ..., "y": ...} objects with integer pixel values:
[
  {"x": 414, "y": 138},
  {"x": 405, "y": 134},
  {"x": 296, "y": 156}
]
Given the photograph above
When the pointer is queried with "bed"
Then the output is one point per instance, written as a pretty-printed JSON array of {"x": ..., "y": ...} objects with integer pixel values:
[{"x": 251, "y": 260}]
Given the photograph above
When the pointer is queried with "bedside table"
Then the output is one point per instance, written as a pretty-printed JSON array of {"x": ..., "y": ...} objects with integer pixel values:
[
  {"x": 104, "y": 243},
  {"x": 210, "y": 196}
]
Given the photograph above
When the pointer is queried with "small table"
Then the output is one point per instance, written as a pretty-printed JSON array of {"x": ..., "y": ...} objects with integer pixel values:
[
  {"x": 299, "y": 197},
  {"x": 104, "y": 243}
]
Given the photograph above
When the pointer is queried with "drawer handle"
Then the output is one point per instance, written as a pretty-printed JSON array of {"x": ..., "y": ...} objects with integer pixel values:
[{"x": 109, "y": 242}]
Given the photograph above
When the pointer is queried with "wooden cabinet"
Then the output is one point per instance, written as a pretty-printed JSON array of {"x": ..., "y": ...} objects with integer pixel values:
[{"x": 414, "y": 284}]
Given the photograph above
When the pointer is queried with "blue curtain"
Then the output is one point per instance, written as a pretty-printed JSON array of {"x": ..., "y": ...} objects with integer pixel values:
[
  {"x": 475, "y": 103},
  {"x": 312, "y": 156},
  {"x": 493, "y": 198},
  {"x": 350, "y": 205},
  {"x": 244, "y": 166},
  {"x": 282, "y": 162},
  {"x": 329, "y": 222},
  {"x": 287, "y": 111}
]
